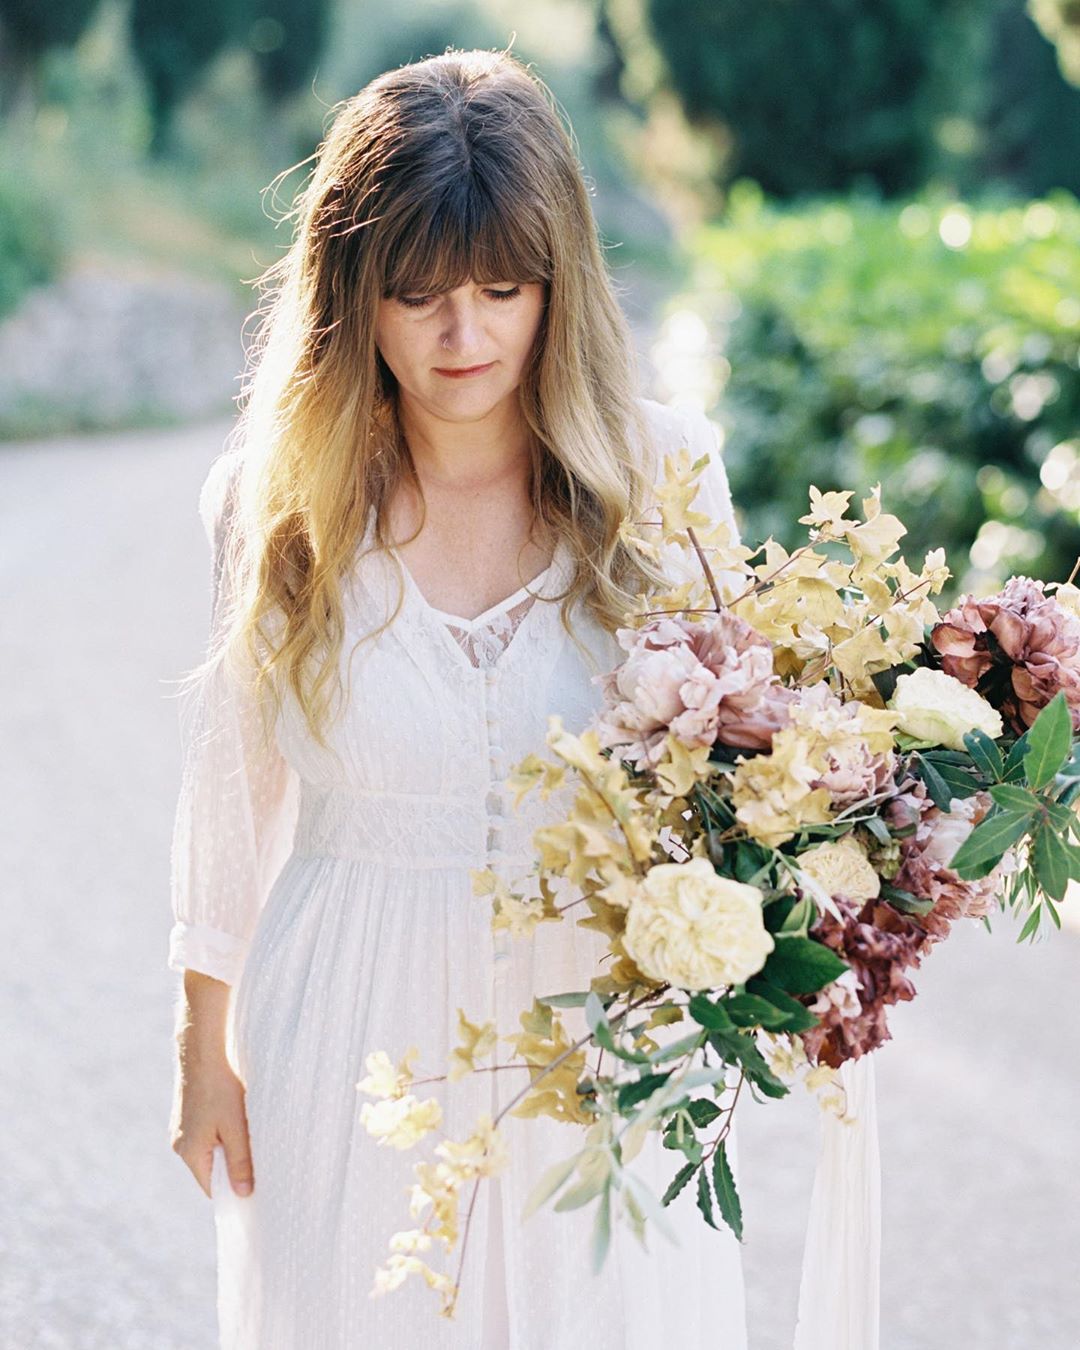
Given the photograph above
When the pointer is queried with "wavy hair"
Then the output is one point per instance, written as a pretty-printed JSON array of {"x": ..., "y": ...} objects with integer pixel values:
[{"x": 451, "y": 169}]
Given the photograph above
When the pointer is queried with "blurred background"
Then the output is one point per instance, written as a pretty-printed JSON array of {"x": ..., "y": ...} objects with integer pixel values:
[{"x": 848, "y": 231}]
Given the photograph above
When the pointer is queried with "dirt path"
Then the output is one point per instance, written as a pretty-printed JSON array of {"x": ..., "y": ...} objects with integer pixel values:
[{"x": 105, "y": 1241}]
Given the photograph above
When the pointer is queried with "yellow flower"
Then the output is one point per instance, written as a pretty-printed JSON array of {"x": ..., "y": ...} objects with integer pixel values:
[
  {"x": 842, "y": 868},
  {"x": 693, "y": 929},
  {"x": 400, "y": 1121},
  {"x": 774, "y": 793},
  {"x": 938, "y": 708}
]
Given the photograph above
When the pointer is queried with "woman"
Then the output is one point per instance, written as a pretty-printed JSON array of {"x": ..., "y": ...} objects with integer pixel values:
[{"x": 418, "y": 559}]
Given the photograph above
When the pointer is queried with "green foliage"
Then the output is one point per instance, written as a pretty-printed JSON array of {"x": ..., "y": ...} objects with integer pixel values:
[
  {"x": 818, "y": 95},
  {"x": 174, "y": 44},
  {"x": 287, "y": 38},
  {"x": 30, "y": 246},
  {"x": 855, "y": 345},
  {"x": 33, "y": 27}
]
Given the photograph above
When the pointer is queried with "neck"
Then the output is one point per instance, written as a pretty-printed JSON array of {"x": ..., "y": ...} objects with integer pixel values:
[{"x": 467, "y": 455}]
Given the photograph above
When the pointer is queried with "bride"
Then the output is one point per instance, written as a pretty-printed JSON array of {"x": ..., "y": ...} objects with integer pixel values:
[{"x": 417, "y": 558}]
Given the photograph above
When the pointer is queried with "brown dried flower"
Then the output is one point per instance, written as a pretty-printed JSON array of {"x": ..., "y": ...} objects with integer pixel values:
[{"x": 1017, "y": 648}]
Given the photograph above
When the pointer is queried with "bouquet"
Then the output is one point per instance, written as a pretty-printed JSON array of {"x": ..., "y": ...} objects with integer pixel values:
[{"x": 801, "y": 777}]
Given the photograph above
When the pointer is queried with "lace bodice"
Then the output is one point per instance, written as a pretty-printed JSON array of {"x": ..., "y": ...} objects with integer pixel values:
[{"x": 439, "y": 710}]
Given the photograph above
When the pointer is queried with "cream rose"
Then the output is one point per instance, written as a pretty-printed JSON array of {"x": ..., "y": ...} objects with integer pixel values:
[
  {"x": 841, "y": 869},
  {"x": 688, "y": 927},
  {"x": 935, "y": 707}
]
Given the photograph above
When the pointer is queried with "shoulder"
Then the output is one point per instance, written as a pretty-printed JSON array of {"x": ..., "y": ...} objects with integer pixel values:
[
  {"x": 217, "y": 495},
  {"x": 669, "y": 427}
]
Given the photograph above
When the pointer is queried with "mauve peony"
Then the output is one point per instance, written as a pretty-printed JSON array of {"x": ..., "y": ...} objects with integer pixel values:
[
  {"x": 704, "y": 681},
  {"x": 925, "y": 856},
  {"x": 879, "y": 944},
  {"x": 1017, "y": 648},
  {"x": 853, "y": 772}
]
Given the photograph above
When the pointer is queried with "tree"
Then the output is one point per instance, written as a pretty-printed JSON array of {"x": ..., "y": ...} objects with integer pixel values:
[
  {"x": 173, "y": 44},
  {"x": 1060, "y": 21},
  {"x": 28, "y": 29},
  {"x": 287, "y": 38},
  {"x": 818, "y": 93}
]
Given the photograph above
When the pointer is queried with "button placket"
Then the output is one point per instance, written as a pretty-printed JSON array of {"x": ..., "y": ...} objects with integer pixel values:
[{"x": 495, "y": 805}]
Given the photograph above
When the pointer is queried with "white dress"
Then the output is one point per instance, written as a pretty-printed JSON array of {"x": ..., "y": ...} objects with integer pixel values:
[{"x": 333, "y": 893}]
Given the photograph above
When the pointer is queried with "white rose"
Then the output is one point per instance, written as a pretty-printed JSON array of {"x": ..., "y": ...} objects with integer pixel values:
[
  {"x": 935, "y": 707},
  {"x": 841, "y": 868},
  {"x": 688, "y": 927}
]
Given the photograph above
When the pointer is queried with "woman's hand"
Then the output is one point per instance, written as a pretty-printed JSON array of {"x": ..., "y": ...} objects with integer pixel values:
[{"x": 208, "y": 1106}]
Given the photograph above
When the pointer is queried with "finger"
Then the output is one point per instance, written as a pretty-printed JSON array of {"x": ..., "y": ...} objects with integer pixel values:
[{"x": 238, "y": 1158}]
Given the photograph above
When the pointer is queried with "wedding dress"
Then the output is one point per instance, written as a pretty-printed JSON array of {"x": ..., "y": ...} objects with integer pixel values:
[{"x": 332, "y": 890}]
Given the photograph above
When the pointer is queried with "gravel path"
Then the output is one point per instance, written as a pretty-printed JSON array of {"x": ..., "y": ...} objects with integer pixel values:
[{"x": 105, "y": 1240}]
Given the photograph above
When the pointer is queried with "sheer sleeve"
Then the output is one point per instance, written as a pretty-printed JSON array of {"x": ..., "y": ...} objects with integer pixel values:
[{"x": 237, "y": 804}]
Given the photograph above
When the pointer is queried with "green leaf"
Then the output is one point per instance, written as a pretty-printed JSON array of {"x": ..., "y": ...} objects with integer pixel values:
[
  {"x": 1032, "y": 924},
  {"x": 1049, "y": 742},
  {"x": 638, "y": 1089},
  {"x": 678, "y": 1181},
  {"x": 712, "y": 1016},
  {"x": 800, "y": 1018},
  {"x": 1018, "y": 800},
  {"x": 1014, "y": 760},
  {"x": 727, "y": 1196},
  {"x": 799, "y": 965},
  {"x": 981, "y": 851},
  {"x": 746, "y": 1010},
  {"x": 577, "y": 1000},
  {"x": 703, "y": 1112},
  {"x": 905, "y": 901},
  {"x": 601, "y": 1236},
  {"x": 1050, "y": 861},
  {"x": 737, "y": 1047},
  {"x": 704, "y": 1199},
  {"x": 985, "y": 754},
  {"x": 940, "y": 792},
  {"x": 548, "y": 1184},
  {"x": 676, "y": 1049},
  {"x": 960, "y": 780}
]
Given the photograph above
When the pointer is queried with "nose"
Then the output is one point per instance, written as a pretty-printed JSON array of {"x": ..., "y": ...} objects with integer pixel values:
[{"x": 462, "y": 330}]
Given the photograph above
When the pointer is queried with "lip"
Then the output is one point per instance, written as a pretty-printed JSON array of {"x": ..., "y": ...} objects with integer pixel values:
[{"x": 463, "y": 372}]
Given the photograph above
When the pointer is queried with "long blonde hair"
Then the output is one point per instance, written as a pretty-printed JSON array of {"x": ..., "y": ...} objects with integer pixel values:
[{"x": 453, "y": 168}]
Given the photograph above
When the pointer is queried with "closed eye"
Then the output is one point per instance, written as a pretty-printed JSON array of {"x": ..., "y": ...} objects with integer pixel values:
[{"x": 419, "y": 301}]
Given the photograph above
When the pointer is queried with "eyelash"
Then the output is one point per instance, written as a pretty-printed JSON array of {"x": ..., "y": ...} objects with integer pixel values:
[{"x": 418, "y": 302}]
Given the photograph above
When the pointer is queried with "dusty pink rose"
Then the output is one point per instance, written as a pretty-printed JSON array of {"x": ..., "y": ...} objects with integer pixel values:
[
  {"x": 1017, "y": 648},
  {"x": 704, "y": 681}
]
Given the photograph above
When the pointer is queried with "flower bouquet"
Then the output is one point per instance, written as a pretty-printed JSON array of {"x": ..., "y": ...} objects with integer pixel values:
[{"x": 801, "y": 776}]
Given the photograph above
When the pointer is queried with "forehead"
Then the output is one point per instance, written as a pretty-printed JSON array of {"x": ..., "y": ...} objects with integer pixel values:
[{"x": 465, "y": 237}]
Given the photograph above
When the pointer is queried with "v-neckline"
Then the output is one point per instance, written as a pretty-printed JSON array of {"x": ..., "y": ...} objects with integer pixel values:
[{"x": 500, "y": 606}]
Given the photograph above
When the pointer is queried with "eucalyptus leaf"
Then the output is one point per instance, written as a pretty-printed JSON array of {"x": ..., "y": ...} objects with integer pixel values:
[
  {"x": 576, "y": 1000},
  {"x": 652, "y": 1207},
  {"x": 676, "y": 1049},
  {"x": 548, "y": 1184},
  {"x": 601, "y": 1235},
  {"x": 1016, "y": 799}
]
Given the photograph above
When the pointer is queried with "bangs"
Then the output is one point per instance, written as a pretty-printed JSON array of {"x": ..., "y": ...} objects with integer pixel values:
[{"x": 465, "y": 236}]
